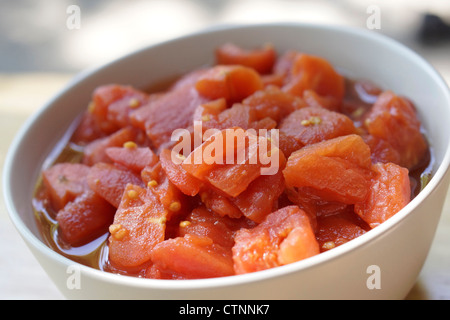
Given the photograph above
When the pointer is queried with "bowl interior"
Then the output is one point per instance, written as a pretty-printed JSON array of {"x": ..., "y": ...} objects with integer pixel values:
[{"x": 358, "y": 53}]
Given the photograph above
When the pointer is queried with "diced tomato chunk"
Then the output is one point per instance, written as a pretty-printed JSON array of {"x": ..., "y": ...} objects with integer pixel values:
[
  {"x": 284, "y": 64},
  {"x": 261, "y": 196},
  {"x": 306, "y": 202},
  {"x": 109, "y": 181},
  {"x": 315, "y": 73},
  {"x": 95, "y": 151},
  {"x": 381, "y": 150},
  {"x": 173, "y": 110},
  {"x": 192, "y": 257},
  {"x": 203, "y": 222},
  {"x": 288, "y": 144},
  {"x": 232, "y": 82},
  {"x": 120, "y": 110},
  {"x": 87, "y": 130},
  {"x": 337, "y": 229},
  {"x": 173, "y": 200},
  {"x": 220, "y": 203},
  {"x": 394, "y": 119},
  {"x": 285, "y": 236},
  {"x": 64, "y": 182},
  {"x": 153, "y": 174},
  {"x": 313, "y": 99},
  {"x": 132, "y": 157},
  {"x": 184, "y": 181},
  {"x": 273, "y": 79},
  {"x": 238, "y": 115},
  {"x": 84, "y": 219},
  {"x": 233, "y": 179},
  {"x": 260, "y": 59},
  {"x": 389, "y": 192},
  {"x": 112, "y": 103},
  {"x": 139, "y": 225},
  {"x": 274, "y": 103},
  {"x": 314, "y": 124},
  {"x": 211, "y": 161},
  {"x": 338, "y": 169},
  {"x": 210, "y": 110}
]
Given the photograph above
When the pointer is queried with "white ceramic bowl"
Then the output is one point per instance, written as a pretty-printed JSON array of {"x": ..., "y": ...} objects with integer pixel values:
[{"x": 392, "y": 254}]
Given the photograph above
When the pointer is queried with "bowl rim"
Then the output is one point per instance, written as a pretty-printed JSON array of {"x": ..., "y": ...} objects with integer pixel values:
[{"x": 347, "y": 248}]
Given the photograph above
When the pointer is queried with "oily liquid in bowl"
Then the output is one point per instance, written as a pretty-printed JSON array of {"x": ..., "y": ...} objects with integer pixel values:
[{"x": 360, "y": 95}]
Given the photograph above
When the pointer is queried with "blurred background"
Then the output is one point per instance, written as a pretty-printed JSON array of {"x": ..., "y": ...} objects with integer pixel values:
[
  {"x": 43, "y": 44},
  {"x": 36, "y": 36}
]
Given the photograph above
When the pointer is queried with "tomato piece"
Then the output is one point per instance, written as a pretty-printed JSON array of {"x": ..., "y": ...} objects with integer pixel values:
[
  {"x": 171, "y": 197},
  {"x": 233, "y": 179},
  {"x": 210, "y": 110},
  {"x": 153, "y": 174},
  {"x": 87, "y": 130},
  {"x": 317, "y": 208},
  {"x": 64, "y": 182},
  {"x": 173, "y": 200},
  {"x": 84, "y": 219},
  {"x": 232, "y": 82},
  {"x": 260, "y": 59},
  {"x": 132, "y": 157},
  {"x": 203, "y": 222},
  {"x": 261, "y": 196},
  {"x": 381, "y": 150},
  {"x": 95, "y": 151},
  {"x": 284, "y": 64},
  {"x": 109, "y": 181},
  {"x": 288, "y": 144},
  {"x": 389, "y": 192},
  {"x": 311, "y": 125},
  {"x": 111, "y": 104},
  {"x": 184, "y": 181},
  {"x": 192, "y": 257},
  {"x": 139, "y": 225},
  {"x": 231, "y": 167},
  {"x": 394, "y": 119},
  {"x": 337, "y": 229},
  {"x": 274, "y": 103},
  {"x": 313, "y": 99},
  {"x": 189, "y": 79},
  {"x": 119, "y": 111},
  {"x": 338, "y": 169},
  {"x": 273, "y": 79},
  {"x": 173, "y": 110},
  {"x": 315, "y": 73},
  {"x": 220, "y": 203},
  {"x": 285, "y": 236},
  {"x": 238, "y": 115}
]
